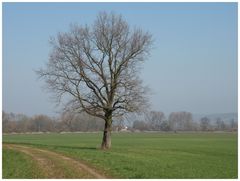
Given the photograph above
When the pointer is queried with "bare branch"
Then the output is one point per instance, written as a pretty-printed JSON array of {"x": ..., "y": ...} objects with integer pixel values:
[{"x": 98, "y": 66}]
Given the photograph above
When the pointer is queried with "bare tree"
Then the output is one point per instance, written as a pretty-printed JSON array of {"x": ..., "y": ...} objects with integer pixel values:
[
  {"x": 180, "y": 121},
  {"x": 41, "y": 123},
  {"x": 165, "y": 126},
  {"x": 67, "y": 121},
  {"x": 220, "y": 124},
  {"x": 233, "y": 125},
  {"x": 140, "y": 125},
  {"x": 154, "y": 119},
  {"x": 5, "y": 122},
  {"x": 71, "y": 121},
  {"x": 205, "y": 123},
  {"x": 98, "y": 67}
]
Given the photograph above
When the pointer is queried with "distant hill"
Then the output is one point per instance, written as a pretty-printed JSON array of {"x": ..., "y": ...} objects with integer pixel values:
[{"x": 223, "y": 116}]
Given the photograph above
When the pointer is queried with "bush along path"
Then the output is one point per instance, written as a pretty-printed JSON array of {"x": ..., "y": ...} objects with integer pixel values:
[{"x": 55, "y": 165}]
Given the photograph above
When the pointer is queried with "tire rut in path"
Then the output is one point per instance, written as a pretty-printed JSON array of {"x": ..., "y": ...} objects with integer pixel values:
[{"x": 55, "y": 165}]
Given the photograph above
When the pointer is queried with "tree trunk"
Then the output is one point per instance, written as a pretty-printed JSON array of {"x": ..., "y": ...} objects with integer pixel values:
[{"x": 106, "y": 141}]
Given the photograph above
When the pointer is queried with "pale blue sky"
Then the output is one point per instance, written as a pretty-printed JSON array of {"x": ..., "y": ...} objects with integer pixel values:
[{"x": 193, "y": 66}]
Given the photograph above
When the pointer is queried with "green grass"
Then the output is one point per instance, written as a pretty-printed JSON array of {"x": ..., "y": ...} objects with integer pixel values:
[
  {"x": 18, "y": 165},
  {"x": 147, "y": 155}
]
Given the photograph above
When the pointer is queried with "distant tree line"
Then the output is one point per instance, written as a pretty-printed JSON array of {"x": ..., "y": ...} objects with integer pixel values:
[
  {"x": 68, "y": 122},
  {"x": 151, "y": 121},
  {"x": 181, "y": 121}
]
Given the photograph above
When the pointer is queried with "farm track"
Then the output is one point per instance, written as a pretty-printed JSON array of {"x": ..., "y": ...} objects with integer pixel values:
[{"x": 55, "y": 165}]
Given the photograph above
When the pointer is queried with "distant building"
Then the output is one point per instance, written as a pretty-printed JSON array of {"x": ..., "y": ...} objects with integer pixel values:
[{"x": 125, "y": 128}]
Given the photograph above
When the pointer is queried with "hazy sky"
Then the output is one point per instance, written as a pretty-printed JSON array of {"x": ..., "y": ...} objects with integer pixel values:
[{"x": 193, "y": 66}]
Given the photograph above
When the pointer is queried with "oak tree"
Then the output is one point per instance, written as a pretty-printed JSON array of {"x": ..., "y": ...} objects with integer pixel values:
[{"x": 98, "y": 67}]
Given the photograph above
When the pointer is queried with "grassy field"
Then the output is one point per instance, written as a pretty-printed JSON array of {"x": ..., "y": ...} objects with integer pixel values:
[
  {"x": 18, "y": 165},
  {"x": 145, "y": 155}
]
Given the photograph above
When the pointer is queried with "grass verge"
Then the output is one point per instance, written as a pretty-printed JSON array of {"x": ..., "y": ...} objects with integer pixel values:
[{"x": 18, "y": 165}]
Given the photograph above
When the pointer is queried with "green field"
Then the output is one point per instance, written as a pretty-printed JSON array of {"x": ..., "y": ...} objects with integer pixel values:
[
  {"x": 144, "y": 155},
  {"x": 25, "y": 167}
]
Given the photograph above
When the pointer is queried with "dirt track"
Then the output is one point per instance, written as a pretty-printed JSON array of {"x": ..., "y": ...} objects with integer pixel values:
[{"x": 55, "y": 165}]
